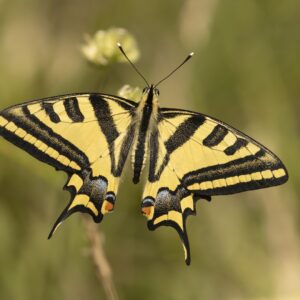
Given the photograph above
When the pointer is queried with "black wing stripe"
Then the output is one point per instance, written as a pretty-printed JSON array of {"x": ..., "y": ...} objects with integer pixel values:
[
  {"x": 125, "y": 148},
  {"x": 105, "y": 120},
  {"x": 216, "y": 136},
  {"x": 31, "y": 149},
  {"x": 108, "y": 127},
  {"x": 48, "y": 107},
  {"x": 244, "y": 186},
  {"x": 124, "y": 103},
  {"x": 183, "y": 133},
  {"x": 154, "y": 148},
  {"x": 165, "y": 111},
  {"x": 106, "y": 124},
  {"x": 72, "y": 109},
  {"x": 154, "y": 153},
  {"x": 239, "y": 143},
  {"x": 42, "y": 132},
  {"x": 243, "y": 166}
]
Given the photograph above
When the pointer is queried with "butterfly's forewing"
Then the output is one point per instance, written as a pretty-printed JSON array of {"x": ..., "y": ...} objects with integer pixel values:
[
  {"x": 86, "y": 135},
  {"x": 194, "y": 156}
]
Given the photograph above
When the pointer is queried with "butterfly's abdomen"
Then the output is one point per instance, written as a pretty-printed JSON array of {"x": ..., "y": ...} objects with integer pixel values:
[{"x": 139, "y": 154}]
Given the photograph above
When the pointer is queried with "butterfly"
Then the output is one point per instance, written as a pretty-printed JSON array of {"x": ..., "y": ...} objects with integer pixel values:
[{"x": 190, "y": 155}]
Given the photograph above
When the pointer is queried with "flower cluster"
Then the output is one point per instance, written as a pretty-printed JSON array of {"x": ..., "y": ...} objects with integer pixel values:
[{"x": 101, "y": 48}]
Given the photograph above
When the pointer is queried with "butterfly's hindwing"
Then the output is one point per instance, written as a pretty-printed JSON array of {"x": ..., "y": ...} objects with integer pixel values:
[
  {"x": 86, "y": 135},
  {"x": 194, "y": 156}
]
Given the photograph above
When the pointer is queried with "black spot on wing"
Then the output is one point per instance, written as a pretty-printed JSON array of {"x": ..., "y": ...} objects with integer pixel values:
[
  {"x": 216, "y": 136},
  {"x": 73, "y": 110}
]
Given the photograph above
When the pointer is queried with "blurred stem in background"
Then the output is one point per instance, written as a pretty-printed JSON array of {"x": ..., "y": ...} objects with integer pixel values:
[{"x": 102, "y": 265}]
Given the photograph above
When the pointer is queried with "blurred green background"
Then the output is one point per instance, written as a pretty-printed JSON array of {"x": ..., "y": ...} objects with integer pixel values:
[{"x": 246, "y": 72}]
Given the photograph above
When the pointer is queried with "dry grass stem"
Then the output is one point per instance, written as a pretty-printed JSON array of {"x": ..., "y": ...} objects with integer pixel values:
[{"x": 104, "y": 273}]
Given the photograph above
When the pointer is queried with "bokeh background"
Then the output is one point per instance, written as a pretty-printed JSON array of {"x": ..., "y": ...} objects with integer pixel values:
[{"x": 246, "y": 71}]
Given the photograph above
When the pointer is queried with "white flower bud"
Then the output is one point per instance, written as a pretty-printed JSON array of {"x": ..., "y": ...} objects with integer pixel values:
[{"x": 130, "y": 93}]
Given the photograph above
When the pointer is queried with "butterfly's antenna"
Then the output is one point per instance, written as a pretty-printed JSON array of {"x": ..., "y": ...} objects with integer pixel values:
[
  {"x": 187, "y": 58},
  {"x": 132, "y": 64}
]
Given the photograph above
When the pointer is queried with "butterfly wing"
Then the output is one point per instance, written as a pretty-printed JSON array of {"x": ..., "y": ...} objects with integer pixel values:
[
  {"x": 86, "y": 135},
  {"x": 194, "y": 156}
]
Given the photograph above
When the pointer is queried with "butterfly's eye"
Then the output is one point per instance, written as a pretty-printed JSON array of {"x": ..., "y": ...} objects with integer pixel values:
[
  {"x": 156, "y": 92},
  {"x": 146, "y": 89}
]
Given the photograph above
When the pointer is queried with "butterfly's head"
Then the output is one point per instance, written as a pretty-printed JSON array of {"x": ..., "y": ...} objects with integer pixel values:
[
  {"x": 151, "y": 90},
  {"x": 150, "y": 96}
]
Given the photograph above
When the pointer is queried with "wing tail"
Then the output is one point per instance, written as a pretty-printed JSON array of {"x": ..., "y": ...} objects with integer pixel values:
[
  {"x": 170, "y": 208},
  {"x": 92, "y": 195}
]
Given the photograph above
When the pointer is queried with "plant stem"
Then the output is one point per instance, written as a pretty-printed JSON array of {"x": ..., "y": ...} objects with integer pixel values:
[{"x": 104, "y": 273}]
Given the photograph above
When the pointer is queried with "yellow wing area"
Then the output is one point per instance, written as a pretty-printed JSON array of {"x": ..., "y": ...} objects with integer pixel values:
[
  {"x": 218, "y": 159},
  {"x": 194, "y": 156},
  {"x": 86, "y": 135}
]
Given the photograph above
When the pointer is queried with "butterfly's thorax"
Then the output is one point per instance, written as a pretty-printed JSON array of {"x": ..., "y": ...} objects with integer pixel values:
[{"x": 146, "y": 116}]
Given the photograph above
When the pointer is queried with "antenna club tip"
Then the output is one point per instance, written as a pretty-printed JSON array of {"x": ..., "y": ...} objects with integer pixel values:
[
  {"x": 191, "y": 54},
  {"x": 119, "y": 45}
]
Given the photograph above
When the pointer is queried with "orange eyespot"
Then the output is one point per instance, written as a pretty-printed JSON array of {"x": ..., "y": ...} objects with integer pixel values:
[
  {"x": 146, "y": 210},
  {"x": 109, "y": 206},
  {"x": 108, "y": 203}
]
